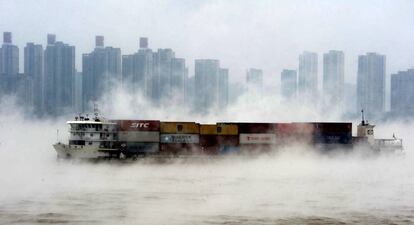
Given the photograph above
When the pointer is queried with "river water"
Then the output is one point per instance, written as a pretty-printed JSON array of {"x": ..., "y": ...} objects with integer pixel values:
[
  {"x": 279, "y": 189},
  {"x": 293, "y": 187}
]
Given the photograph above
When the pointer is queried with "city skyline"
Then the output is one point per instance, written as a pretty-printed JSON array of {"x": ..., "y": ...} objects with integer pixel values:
[
  {"x": 281, "y": 38},
  {"x": 160, "y": 76}
]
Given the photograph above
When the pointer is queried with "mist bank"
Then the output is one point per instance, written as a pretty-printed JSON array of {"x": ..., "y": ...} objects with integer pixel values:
[{"x": 295, "y": 182}]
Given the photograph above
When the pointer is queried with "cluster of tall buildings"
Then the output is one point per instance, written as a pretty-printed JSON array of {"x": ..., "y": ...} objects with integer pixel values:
[
  {"x": 370, "y": 84},
  {"x": 50, "y": 84}
]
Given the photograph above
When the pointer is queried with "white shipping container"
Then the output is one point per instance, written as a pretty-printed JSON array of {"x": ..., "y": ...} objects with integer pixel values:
[
  {"x": 180, "y": 138},
  {"x": 257, "y": 138},
  {"x": 139, "y": 136}
]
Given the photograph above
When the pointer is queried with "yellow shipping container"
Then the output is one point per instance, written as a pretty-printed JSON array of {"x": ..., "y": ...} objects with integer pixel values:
[
  {"x": 180, "y": 128},
  {"x": 227, "y": 129},
  {"x": 208, "y": 129}
]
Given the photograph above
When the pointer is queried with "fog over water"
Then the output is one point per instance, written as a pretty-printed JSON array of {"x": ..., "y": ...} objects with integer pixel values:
[
  {"x": 291, "y": 186},
  {"x": 294, "y": 185}
]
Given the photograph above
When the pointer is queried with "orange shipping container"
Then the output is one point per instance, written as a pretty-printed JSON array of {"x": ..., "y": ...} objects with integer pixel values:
[
  {"x": 227, "y": 129},
  {"x": 208, "y": 129},
  {"x": 180, "y": 128}
]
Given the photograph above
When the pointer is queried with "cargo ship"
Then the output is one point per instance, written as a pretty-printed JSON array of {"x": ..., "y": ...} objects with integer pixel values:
[{"x": 97, "y": 137}]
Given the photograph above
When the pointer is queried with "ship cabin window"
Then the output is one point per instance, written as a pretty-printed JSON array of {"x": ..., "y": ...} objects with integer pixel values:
[
  {"x": 179, "y": 127},
  {"x": 77, "y": 142},
  {"x": 98, "y": 127},
  {"x": 90, "y": 143},
  {"x": 218, "y": 129},
  {"x": 91, "y": 135}
]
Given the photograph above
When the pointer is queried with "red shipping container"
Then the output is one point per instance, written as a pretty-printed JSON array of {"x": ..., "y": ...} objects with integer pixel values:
[
  {"x": 304, "y": 128},
  {"x": 255, "y": 127},
  {"x": 208, "y": 140},
  {"x": 288, "y": 133},
  {"x": 333, "y": 128},
  {"x": 138, "y": 125},
  {"x": 285, "y": 129}
]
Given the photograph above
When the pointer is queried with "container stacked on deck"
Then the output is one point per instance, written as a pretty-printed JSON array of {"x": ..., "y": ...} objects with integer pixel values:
[
  {"x": 256, "y": 136},
  {"x": 179, "y": 138},
  {"x": 295, "y": 133},
  {"x": 333, "y": 134},
  {"x": 218, "y": 138},
  {"x": 138, "y": 136}
]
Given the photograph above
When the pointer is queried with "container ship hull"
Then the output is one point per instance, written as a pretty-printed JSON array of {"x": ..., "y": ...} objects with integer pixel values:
[{"x": 99, "y": 138}]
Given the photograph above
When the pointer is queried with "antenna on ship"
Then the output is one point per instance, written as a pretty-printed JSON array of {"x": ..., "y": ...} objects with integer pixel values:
[
  {"x": 363, "y": 117},
  {"x": 95, "y": 110}
]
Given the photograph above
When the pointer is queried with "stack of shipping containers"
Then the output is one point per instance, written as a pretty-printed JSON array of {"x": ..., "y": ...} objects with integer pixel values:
[
  {"x": 295, "y": 133},
  {"x": 326, "y": 134},
  {"x": 179, "y": 138},
  {"x": 219, "y": 138},
  {"x": 209, "y": 139},
  {"x": 138, "y": 136},
  {"x": 333, "y": 134},
  {"x": 142, "y": 137},
  {"x": 256, "y": 136}
]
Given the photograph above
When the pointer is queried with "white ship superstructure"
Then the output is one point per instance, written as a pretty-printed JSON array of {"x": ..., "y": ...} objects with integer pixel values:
[
  {"x": 365, "y": 132},
  {"x": 89, "y": 138}
]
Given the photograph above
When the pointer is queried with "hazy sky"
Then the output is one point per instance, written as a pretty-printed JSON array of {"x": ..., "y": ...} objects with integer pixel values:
[{"x": 242, "y": 34}]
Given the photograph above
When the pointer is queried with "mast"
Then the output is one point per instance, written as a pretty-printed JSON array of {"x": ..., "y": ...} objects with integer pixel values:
[{"x": 363, "y": 118}]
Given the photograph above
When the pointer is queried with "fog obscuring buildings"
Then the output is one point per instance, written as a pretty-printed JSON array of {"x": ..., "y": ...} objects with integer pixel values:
[
  {"x": 51, "y": 86},
  {"x": 11, "y": 81},
  {"x": 159, "y": 76},
  {"x": 402, "y": 92},
  {"x": 206, "y": 83},
  {"x": 33, "y": 68},
  {"x": 308, "y": 76},
  {"x": 333, "y": 80},
  {"x": 137, "y": 70},
  {"x": 101, "y": 70},
  {"x": 223, "y": 89},
  {"x": 254, "y": 82},
  {"x": 207, "y": 74},
  {"x": 9, "y": 57},
  {"x": 179, "y": 74},
  {"x": 78, "y": 93},
  {"x": 288, "y": 84},
  {"x": 59, "y": 69},
  {"x": 371, "y": 84}
]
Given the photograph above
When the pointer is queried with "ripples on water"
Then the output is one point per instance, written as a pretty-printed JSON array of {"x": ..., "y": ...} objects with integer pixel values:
[{"x": 284, "y": 189}]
